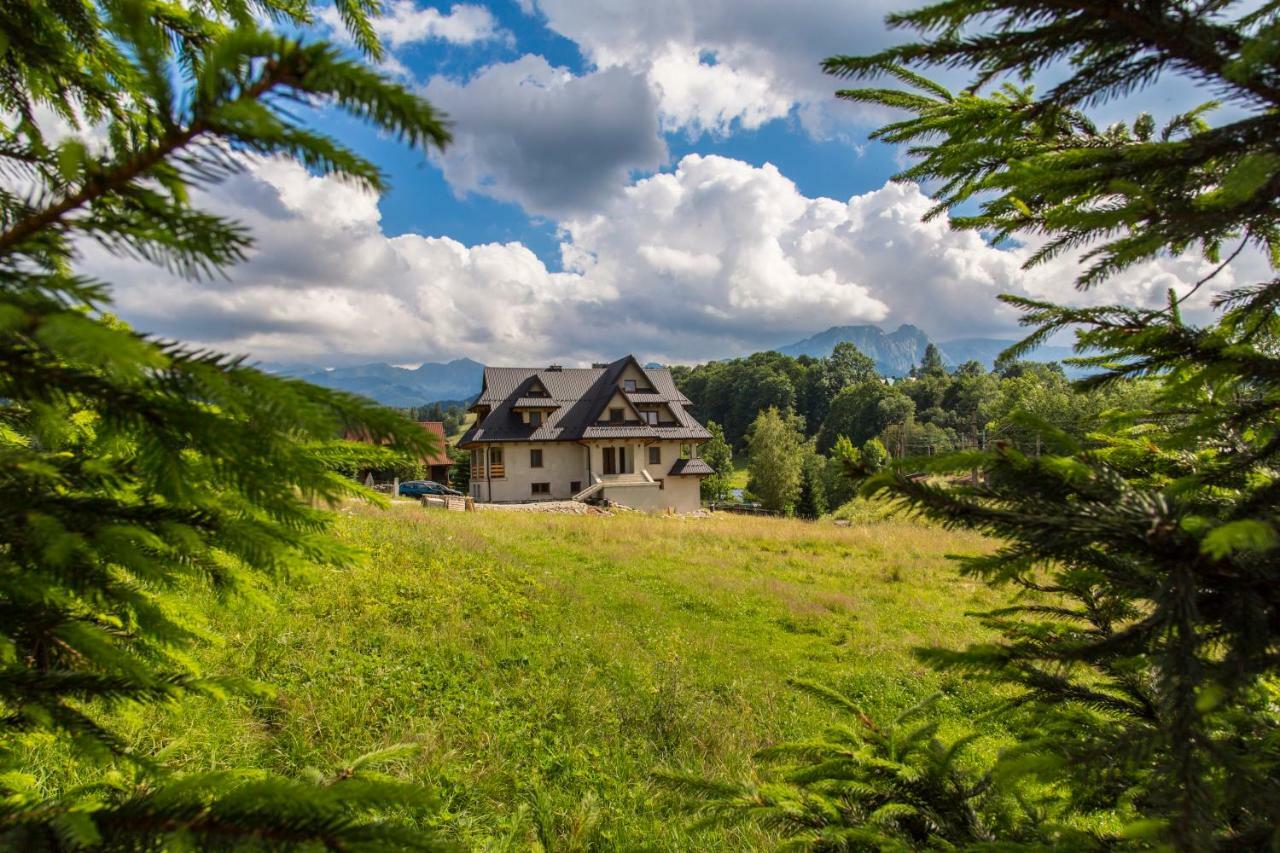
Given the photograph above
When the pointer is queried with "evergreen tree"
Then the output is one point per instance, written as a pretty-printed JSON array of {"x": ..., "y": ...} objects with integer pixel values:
[
  {"x": 864, "y": 786},
  {"x": 1143, "y": 654},
  {"x": 719, "y": 455},
  {"x": 135, "y": 470},
  {"x": 459, "y": 469},
  {"x": 931, "y": 364},
  {"x": 776, "y": 460},
  {"x": 812, "y": 502}
]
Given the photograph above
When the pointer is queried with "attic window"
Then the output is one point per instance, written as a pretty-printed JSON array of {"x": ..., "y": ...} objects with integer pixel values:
[
  {"x": 615, "y": 416},
  {"x": 535, "y": 418},
  {"x": 628, "y": 385}
]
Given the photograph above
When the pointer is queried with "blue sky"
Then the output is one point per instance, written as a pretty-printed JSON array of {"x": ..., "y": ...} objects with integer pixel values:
[
  {"x": 674, "y": 179},
  {"x": 421, "y": 201}
]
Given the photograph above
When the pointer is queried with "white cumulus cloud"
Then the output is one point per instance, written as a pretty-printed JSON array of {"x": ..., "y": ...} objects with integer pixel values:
[
  {"x": 713, "y": 259},
  {"x": 717, "y": 62},
  {"x": 405, "y": 22}
]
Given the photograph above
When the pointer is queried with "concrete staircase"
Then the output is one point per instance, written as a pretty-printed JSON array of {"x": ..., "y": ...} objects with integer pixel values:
[
  {"x": 589, "y": 490},
  {"x": 598, "y": 483}
]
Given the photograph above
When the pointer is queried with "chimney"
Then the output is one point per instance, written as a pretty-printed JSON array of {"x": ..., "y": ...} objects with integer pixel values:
[
  {"x": 555, "y": 368},
  {"x": 599, "y": 365}
]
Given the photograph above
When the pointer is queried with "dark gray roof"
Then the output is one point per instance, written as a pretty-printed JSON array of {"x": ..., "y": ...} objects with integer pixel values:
[
  {"x": 580, "y": 396},
  {"x": 618, "y": 431},
  {"x": 691, "y": 466},
  {"x": 645, "y": 396}
]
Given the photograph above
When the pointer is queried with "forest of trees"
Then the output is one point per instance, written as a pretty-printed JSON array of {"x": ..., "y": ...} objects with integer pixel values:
[
  {"x": 451, "y": 413},
  {"x": 932, "y": 410}
]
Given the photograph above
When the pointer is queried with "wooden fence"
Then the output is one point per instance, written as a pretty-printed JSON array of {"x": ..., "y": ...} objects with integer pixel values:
[{"x": 743, "y": 509}]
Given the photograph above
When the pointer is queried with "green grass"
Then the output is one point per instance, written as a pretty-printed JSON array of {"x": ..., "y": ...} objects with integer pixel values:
[
  {"x": 548, "y": 665},
  {"x": 740, "y": 475}
]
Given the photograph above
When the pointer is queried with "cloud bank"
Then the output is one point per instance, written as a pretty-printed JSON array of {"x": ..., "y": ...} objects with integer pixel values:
[{"x": 713, "y": 259}]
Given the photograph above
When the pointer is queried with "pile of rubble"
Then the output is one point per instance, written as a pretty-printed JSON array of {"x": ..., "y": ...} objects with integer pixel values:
[{"x": 559, "y": 507}]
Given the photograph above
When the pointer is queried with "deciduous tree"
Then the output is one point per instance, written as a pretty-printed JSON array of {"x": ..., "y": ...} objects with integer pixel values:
[
  {"x": 776, "y": 462},
  {"x": 862, "y": 412}
]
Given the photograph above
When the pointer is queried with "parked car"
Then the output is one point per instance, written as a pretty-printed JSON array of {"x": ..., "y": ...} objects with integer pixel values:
[{"x": 418, "y": 488}]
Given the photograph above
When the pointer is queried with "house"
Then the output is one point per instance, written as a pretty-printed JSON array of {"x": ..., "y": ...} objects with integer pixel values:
[
  {"x": 437, "y": 463},
  {"x": 615, "y": 431}
]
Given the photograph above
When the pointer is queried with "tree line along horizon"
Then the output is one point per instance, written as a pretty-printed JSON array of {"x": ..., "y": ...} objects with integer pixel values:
[{"x": 830, "y": 412}]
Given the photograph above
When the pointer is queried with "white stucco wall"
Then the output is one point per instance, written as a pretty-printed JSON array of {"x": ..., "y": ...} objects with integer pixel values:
[
  {"x": 562, "y": 464},
  {"x": 648, "y": 497},
  {"x": 670, "y": 452},
  {"x": 678, "y": 494},
  {"x": 683, "y": 493}
]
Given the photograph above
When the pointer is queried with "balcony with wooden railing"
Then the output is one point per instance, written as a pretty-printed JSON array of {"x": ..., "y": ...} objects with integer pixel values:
[{"x": 497, "y": 470}]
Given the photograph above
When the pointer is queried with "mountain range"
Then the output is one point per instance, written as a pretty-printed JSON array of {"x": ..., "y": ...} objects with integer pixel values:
[
  {"x": 401, "y": 387},
  {"x": 894, "y": 353}
]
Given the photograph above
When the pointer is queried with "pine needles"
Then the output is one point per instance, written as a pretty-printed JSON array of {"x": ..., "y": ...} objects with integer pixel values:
[
  {"x": 1145, "y": 659},
  {"x": 132, "y": 469}
]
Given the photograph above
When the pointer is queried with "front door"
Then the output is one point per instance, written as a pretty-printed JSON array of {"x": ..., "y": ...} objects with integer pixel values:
[{"x": 610, "y": 463}]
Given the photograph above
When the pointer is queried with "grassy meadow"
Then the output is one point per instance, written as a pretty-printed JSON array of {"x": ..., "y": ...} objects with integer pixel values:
[{"x": 547, "y": 665}]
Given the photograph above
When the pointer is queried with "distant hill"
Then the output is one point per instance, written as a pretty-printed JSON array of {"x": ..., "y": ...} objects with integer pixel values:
[
  {"x": 987, "y": 350},
  {"x": 401, "y": 387},
  {"x": 896, "y": 352}
]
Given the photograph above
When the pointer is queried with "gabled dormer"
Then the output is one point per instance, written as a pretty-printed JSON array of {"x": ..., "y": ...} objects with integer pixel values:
[
  {"x": 618, "y": 410},
  {"x": 632, "y": 378},
  {"x": 654, "y": 414},
  {"x": 533, "y": 405}
]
